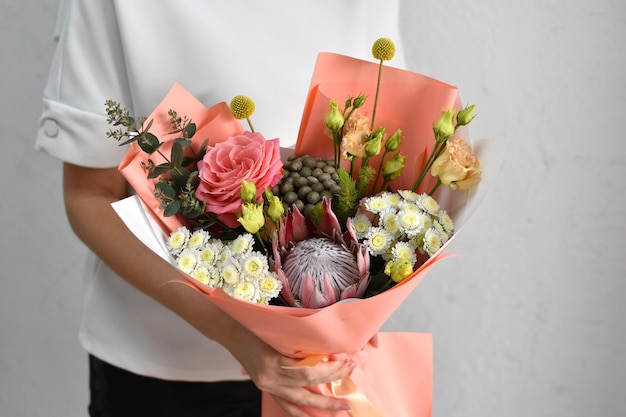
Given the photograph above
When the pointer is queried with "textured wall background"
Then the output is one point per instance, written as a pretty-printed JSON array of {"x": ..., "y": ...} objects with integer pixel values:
[{"x": 528, "y": 321}]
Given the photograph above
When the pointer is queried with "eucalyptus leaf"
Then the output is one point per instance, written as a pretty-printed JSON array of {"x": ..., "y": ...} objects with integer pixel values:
[
  {"x": 159, "y": 170},
  {"x": 166, "y": 189},
  {"x": 172, "y": 208},
  {"x": 177, "y": 155},
  {"x": 148, "y": 142},
  {"x": 190, "y": 130}
]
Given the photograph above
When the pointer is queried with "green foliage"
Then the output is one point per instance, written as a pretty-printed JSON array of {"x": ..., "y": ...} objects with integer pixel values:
[{"x": 347, "y": 198}]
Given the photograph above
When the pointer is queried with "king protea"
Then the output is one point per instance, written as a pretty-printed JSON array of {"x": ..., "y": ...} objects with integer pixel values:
[{"x": 319, "y": 265}]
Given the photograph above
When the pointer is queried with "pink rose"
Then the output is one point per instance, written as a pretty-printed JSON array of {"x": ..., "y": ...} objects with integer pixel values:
[{"x": 243, "y": 157}]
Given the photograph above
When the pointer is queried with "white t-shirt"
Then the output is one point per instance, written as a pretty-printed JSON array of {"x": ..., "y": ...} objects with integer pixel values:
[{"x": 132, "y": 51}]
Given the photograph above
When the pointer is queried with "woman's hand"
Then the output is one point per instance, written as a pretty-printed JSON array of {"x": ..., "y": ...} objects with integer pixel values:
[{"x": 276, "y": 375}]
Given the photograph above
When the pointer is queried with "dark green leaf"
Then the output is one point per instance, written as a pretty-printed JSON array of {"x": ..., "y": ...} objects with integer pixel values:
[
  {"x": 148, "y": 142},
  {"x": 166, "y": 189},
  {"x": 172, "y": 208},
  {"x": 177, "y": 155},
  {"x": 190, "y": 130}
]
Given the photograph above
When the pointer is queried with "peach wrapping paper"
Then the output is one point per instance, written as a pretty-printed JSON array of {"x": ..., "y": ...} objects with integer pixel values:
[
  {"x": 215, "y": 123},
  {"x": 407, "y": 101}
]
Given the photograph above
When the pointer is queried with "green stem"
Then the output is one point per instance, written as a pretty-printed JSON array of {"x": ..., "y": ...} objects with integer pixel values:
[
  {"x": 250, "y": 124},
  {"x": 380, "y": 71},
  {"x": 435, "y": 187},
  {"x": 380, "y": 168}
]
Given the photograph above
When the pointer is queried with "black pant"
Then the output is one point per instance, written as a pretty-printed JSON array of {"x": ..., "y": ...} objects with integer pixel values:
[{"x": 119, "y": 393}]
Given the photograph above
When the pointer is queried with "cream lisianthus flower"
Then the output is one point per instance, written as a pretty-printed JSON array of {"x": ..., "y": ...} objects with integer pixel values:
[{"x": 457, "y": 167}]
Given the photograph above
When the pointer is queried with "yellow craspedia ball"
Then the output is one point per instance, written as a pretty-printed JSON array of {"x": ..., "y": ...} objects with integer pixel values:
[
  {"x": 241, "y": 107},
  {"x": 383, "y": 49}
]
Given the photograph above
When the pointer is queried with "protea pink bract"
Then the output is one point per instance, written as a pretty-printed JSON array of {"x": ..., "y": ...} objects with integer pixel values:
[{"x": 318, "y": 265}]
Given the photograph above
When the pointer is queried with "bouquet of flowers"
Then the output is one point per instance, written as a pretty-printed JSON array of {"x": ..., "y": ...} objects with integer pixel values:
[{"x": 314, "y": 250}]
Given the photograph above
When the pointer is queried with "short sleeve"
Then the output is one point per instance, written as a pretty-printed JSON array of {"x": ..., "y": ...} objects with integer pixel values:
[{"x": 87, "y": 69}]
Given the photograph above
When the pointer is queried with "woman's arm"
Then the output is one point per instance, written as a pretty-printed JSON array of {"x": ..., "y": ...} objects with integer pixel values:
[{"x": 88, "y": 194}]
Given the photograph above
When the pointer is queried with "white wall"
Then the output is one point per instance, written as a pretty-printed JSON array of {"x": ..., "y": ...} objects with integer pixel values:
[{"x": 528, "y": 321}]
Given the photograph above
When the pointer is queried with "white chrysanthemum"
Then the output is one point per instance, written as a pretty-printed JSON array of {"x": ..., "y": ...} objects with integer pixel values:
[
  {"x": 197, "y": 239},
  {"x": 409, "y": 206},
  {"x": 254, "y": 265},
  {"x": 178, "y": 240},
  {"x": 230, "y": 273},
  {"x": 429, "y": 204},
  {"x": 245, "y": 291},
  {"x": 269, "y": 286},
  {"x": 446, "y": 222},
  {"x": 432, "y": 241},
  {"x": 242, "y": 244},
  {"x": 439, "y": 229},
  {"x": 411, "y": 222},
  {"x": 409, "y": 195},
  {"x": 404, "y": 251},
  {"x": 388, "y": 219},
  {"x": 378, "y": 240},
  {"x": 361, "y": 224},
  {"x": 209, "y": 254},
  {"x": 376, "y": 204},
  {"x": 202, "y": 274},
  {"x": 187, "y": 261},
  {"x": 392, "y": 199}
]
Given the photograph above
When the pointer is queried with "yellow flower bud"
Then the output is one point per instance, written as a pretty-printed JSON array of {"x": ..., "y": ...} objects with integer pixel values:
[
  {"x": 248, "y": 192},
  {"x": 373, "y": 146},
  {"x": 398, "y": 270},
  {"x": 392, "y": 168},
  {"x": 275, "y": 209},
  {"x": 444, "y": 127},
  {"x": 241, "y": 107},
  {"x": 466, "y": 115},
  {"x": 252, "y": 218},
  {"x": 394, "y": 141},
  {"x": 334, "y": 119},
  {"x": 383, "y": 49}
]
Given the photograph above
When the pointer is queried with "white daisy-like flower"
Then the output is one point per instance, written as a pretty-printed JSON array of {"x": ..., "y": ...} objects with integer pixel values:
[
  {"x": 177, "y": 240},
  {"x": 388, "y": 219},
  {"x": 202, "y": 274},
  {"x": 446, "y": 221},
  {"x": 439, "y": 229},
  {"x": 432, "y": 241},
  {"x": 187, "y": 260},
  {"x": 269, "y": 286},
  {"x": 378, "y": 240},
  {"x": 198, "y": 239},
  {"x": 230, "y": 273},
  {"x": 411, "y": 222},
  {"x": 245, "y": 291},
  {"x": 376, "y": 204},
  {"x": 409, "y": 206},
  {"x": 404, "y": 251},
  {"x": 209, "y": 253},
  {"x": 361, "y": 224},
  {"x": 409, "y": 195},
  {"x": 242, "y": 244},
  {"x": 254, "y": 265},
  {"x": 429, "y": 204},
  {"x": 392, "y": 199}
]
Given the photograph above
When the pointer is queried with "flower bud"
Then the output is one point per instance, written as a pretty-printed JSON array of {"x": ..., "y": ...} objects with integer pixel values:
[
  {"x": 248, "y": 192},
  {"x": 398, "y": 270},
  {"x": 373, "y": 146},
  {"x": 358, "y": 102},
  {"x": 275, "y": 209},
  {"x": 444, "y": 127},
  {"x": 383, "y": 49},
  {"x": 252, "y": 218},
  {"x": 394, "y": 141},
  {"x": 392, "y": 168},
  {"x": 334, "y": 119},
  {"x": 466, "y": 115}
]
